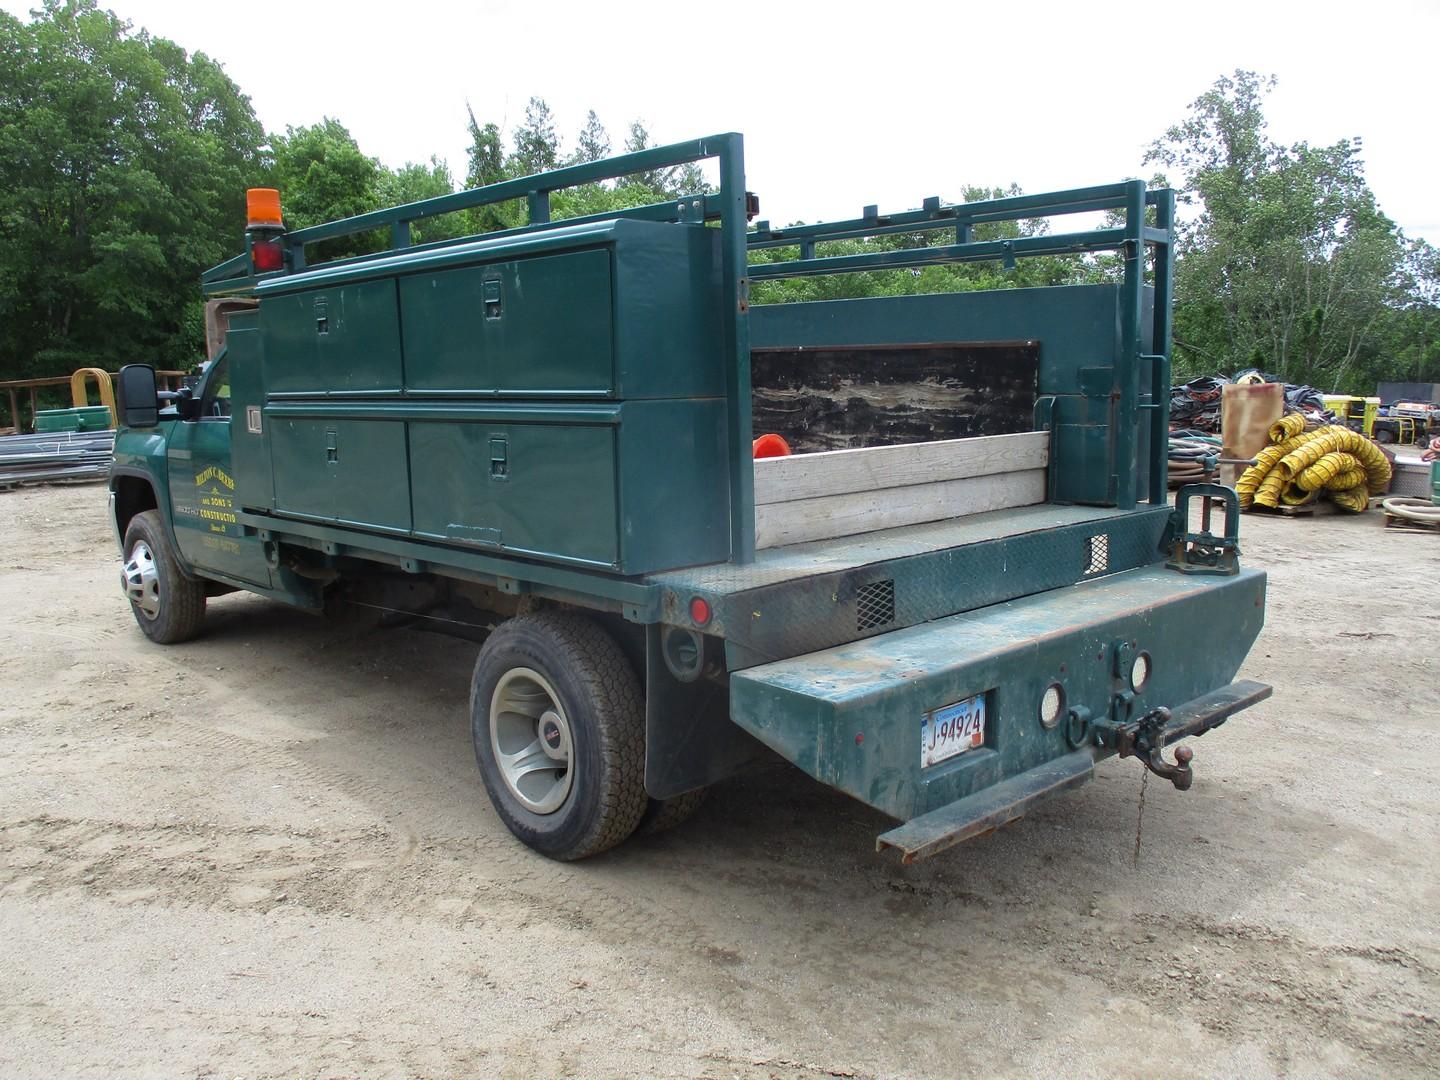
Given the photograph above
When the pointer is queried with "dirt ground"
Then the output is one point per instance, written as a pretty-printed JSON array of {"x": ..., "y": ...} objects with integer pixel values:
[{"x": 268, "y": 853}]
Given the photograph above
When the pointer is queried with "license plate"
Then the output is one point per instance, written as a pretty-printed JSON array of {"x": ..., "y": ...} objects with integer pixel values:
[{"x": 951, "y": 730}]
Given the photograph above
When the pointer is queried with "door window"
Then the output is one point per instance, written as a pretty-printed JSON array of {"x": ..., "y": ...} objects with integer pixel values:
[{"x": 215, "y": 401}]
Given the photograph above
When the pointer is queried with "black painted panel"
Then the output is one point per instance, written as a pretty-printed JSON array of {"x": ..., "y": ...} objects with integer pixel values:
[{"x": 834, "y": 398}]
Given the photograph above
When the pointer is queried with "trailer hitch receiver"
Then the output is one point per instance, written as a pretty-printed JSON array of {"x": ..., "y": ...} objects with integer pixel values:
[
  {"x": 1144, "y": 739},
  {"x": 1147, "y": 737}
]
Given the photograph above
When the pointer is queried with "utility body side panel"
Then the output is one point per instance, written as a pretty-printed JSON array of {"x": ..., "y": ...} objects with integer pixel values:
[
  {"x": 332, "y": 341},
  {"x": 554, "y": 403},
  {"x": 519, "y": 328}
]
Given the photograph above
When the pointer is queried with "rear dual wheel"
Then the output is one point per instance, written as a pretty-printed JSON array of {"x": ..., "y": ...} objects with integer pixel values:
[{"x": 558, "y": 722}]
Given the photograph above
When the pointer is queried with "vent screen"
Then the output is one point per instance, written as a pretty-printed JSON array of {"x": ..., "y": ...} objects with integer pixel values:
[
  {"x": 875, "y": 604},
  {"x": 1097, "y": 554}
]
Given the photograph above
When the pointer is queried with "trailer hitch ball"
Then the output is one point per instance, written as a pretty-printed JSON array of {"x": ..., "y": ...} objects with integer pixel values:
[
  {"x": 1145, "y": 739},
  {"x": 1179, "y": 773}
]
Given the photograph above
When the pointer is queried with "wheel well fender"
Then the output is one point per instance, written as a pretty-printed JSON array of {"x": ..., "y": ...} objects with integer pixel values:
[{"x": 133, "y": 495}]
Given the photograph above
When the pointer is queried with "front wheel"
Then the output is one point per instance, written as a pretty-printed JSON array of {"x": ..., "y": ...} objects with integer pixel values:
[
  {"x": 168, "y": 605},
  {"x": 558, "y": 721}
]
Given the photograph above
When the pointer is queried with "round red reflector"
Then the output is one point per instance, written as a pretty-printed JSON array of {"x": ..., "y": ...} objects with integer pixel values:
[{"x": 699, "y": 611}]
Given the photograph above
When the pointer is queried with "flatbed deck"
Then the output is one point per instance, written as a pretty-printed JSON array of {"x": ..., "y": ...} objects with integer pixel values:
[{"x": 796, "y": 562}]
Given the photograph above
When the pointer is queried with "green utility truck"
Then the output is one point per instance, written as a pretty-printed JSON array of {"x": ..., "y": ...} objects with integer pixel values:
[{"x": 966, "y": 588}]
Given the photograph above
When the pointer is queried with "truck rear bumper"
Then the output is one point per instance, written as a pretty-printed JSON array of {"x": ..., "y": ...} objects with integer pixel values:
[
  {"x": 987, "y": 810},
  {"x": 1137, "y": 660}
]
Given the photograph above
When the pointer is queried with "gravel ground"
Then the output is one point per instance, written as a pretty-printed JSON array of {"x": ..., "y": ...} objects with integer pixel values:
[{"x": 268, "y": 853}]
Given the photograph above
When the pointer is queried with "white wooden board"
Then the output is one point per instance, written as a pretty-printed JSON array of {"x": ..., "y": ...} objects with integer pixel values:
[
  {"x": 841, "y": 472},
  {"x": 846, "y": 492}
]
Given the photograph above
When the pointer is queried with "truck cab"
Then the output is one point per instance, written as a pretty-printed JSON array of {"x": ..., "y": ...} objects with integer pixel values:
[{"x": 959, "y": 585}]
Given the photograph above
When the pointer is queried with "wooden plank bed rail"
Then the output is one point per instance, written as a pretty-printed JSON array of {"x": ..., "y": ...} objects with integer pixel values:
[{"x": 846, "y": 492}]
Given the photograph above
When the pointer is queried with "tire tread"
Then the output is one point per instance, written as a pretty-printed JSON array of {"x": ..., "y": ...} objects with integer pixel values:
[{"x": 662, "y": 815}]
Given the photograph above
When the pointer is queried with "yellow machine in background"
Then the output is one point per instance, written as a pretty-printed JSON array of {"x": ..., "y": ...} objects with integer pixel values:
[{"x": 1356, "y": 413}]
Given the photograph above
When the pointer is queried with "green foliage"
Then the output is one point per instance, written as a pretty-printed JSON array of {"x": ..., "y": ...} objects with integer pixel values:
[
  {"x": 411, "y": 183},
  {"x": 1287, "y": 263},
  {"x": 322, "y": 176},
  {"x": 487, "y": 166},
  {"x": 122, "y": 166},
  {"x": 593, "y": 143},
  {"x": 663, "y": 183},
  {"x": 537, "y": 147}
]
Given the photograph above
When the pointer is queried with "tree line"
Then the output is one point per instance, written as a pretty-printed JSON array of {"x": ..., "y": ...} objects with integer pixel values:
[
  {"x": 123, "y": 166},
  {"x": 123, "y": 162}
]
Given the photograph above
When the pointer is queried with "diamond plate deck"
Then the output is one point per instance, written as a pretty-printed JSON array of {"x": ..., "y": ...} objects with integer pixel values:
[{"x": 774, "y": 566}]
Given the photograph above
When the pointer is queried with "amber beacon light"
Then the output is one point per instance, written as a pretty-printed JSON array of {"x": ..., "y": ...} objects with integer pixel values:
[
  {"x": 265, "y": 227},
  {"x": 262, "y": 208}
]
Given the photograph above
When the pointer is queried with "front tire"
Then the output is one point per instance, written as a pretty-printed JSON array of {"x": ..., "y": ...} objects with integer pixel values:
[
  {"x": 558, "y": 722},
  {"x": 168, "y": 605}
]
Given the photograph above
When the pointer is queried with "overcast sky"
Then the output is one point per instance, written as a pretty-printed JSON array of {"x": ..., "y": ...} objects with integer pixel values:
[{"x": 842, "y": 104}]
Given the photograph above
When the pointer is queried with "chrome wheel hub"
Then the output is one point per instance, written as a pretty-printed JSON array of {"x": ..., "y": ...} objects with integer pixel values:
[
  {"x": 530, "y": 738},
  {"x": 140, "y": 578}
]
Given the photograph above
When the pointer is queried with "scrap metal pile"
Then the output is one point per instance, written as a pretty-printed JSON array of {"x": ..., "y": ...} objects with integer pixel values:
[
  {"x": 1196, "y": 404},
  {"x": 1300, "y": 466},
  {"x": 60, "y": 455}
]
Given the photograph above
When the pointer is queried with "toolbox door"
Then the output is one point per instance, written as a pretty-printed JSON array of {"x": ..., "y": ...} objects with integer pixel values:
[
  {"x": 343, "y": 470},
  {"x": 338, "y": 341},
  {"x": 528, "y": 488},
  {"x": 532, "y": 326}
]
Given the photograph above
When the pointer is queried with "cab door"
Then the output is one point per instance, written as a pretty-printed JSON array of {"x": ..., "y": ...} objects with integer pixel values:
[{"x": 202, "y": 488}]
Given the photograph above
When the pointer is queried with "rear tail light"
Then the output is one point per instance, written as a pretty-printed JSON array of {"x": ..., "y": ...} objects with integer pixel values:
[{"x": 267, "y": 255}]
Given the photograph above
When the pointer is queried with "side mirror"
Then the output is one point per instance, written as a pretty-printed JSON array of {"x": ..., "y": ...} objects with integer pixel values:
[
  {"x": 187, "y": 405},
  {"x": 139, "y": 403}
]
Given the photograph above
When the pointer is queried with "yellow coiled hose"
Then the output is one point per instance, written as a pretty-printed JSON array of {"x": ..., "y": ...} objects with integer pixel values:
[
  {"x": 1249, "y": 482},
  {"x": 1344, "y": 481},
  {"x": 1328, "y": 468},
  {"x": 1298, "y": 465},
  {"x": 1287, "y": 427},
  {"x": 1355, "y": 499}
]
